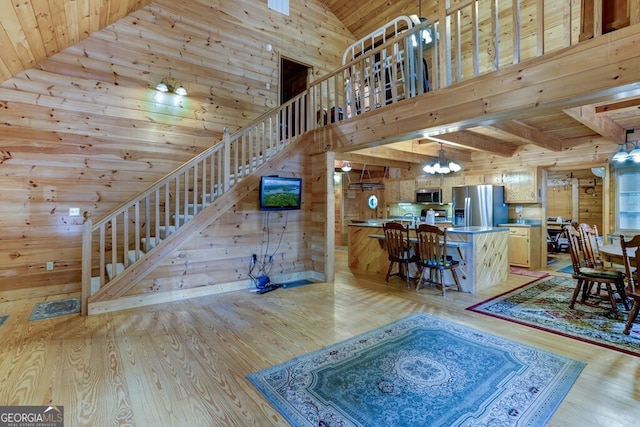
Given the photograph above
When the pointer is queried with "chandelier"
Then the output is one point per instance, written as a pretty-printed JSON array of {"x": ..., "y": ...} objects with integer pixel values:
[{"x": 442, "y": 166}]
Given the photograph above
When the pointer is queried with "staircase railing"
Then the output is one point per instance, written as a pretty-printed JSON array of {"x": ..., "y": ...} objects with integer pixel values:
[
  {"x": 395, "y": 70},
  {"x": 123, "y": 236}
]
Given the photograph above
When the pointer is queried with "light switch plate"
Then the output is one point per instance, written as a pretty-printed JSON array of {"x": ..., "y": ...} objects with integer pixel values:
[{"x": 74, "y": 211}]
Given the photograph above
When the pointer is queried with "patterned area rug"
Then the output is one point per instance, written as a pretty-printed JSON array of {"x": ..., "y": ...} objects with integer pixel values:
[
  {"x": 420, "y": 371},
  {"x": 544, "y": 305},
  {"x": 45, "y": 310},
  {"x": 3, "y": 319}
]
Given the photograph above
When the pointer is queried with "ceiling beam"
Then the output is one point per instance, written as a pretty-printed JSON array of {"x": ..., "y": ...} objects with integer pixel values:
[
  {"x": 392, "y": 154},
  {"x": 599, "y": 123},
  {"x": 618, "y": 107},
  {"x": 530, "y": 134},
  {"x": 431, "y": 148},
  {"x": 475, "y": 142},
  {"x": 357, "y": 158}
]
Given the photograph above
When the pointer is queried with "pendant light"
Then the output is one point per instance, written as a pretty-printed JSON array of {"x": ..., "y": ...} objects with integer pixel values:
[{"x": 442, "y": 166}]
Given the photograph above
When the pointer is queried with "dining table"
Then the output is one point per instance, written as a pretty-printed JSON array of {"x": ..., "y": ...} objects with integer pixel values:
[{"x": 613, "y": 253}]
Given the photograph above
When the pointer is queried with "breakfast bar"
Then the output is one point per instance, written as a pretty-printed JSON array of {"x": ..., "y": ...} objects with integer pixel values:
[{"x": 482, "y": 252}]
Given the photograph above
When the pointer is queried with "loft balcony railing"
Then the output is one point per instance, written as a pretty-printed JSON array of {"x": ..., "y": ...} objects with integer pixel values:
[{"x": 378, "y": 72}]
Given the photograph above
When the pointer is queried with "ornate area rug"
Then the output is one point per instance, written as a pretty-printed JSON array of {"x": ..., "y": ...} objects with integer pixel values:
[
  {"x": 544, "y": 304},
  {"x": 420, "y": 371},
  {"x": 45, "y": 310}
]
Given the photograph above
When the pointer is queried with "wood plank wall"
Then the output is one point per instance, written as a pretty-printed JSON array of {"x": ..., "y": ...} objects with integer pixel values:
[
  {"x": 580, "y": 157},
  {"x": 86, "y": 129}
]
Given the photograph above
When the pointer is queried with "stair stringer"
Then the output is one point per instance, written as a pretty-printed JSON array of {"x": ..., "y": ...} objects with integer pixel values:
[{"x": 104, "y": 299}]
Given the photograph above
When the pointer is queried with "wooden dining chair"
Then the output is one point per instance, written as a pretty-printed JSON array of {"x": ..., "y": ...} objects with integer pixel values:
[
  {"x": 433, "y": 258},
  {"x": 591, "y": 252},
  {"x": 590, "y": 246},
  {"x": 400, "y": 251},
  {"x": 588, "y": 277},
  {"x": 631, "y": 277}
]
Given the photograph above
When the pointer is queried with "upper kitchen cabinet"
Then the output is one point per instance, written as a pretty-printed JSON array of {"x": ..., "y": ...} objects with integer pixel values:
[
  {"x": 473, "y": 178},
  {"x": 428, "y": 181},
  {"x": 522, "y": 186},
  {"x": 448, "y": 183},
  {"x": 399, "y": 190}
]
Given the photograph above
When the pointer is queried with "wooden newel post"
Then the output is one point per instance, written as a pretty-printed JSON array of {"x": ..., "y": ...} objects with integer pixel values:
[
  {"x": 226, "y": 140},
  {"x": 86, "y": 266}
]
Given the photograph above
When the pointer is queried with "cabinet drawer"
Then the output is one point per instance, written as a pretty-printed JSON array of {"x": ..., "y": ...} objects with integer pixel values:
[{"x": 518, "y": 231}]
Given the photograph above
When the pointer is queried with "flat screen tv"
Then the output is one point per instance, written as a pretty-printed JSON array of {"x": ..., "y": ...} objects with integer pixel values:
[{"x": 280, "y": 193}]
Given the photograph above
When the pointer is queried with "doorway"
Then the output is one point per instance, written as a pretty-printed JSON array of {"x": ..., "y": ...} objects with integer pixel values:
[
  {"x": 572, "y": 195},
  {"x": 294, "y": 77}
]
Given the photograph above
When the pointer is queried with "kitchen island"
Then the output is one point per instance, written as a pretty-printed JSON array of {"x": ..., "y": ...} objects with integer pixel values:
[{"x": 482, "y": 252}]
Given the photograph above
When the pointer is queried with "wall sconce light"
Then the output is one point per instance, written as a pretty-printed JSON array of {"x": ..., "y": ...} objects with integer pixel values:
[
  {"x": 346, "y": 166},
  {"x": 622, "y": 155},
  {"x": 171, "y": 85},
  {"x": 442, "y": 166}
]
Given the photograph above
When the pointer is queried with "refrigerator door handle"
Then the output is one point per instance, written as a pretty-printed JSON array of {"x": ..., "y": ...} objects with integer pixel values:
[{"x": 467, "y": 211}]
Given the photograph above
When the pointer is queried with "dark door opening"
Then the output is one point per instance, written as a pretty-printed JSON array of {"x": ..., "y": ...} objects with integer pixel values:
[{"x": 293, "y": 81}]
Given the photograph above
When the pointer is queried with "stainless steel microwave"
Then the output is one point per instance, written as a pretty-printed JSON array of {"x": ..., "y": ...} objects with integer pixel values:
[{"x": 429, "y": 195}]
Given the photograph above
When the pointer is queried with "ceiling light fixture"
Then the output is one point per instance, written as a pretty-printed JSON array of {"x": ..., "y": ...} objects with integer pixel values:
[
  {"x": 622, "y": 155},
  {"x": 169, "y": 84},
  {"x": 426, "y": 33},
  {"x": 346, "y": 166},
  {"x": 442, "y": 166}
]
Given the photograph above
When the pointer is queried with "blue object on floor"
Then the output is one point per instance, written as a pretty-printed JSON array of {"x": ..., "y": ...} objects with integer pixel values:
[
  {"x": 568, "y": 269},
  {"x": 297, "y": 283},
  {"x": 3, "y": 319}
]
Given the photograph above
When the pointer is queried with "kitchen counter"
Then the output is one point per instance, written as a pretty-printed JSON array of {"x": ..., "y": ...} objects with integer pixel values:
[
  {"x": 381, "y": 221},
  {"x": 474, "y": 230},
  {"x": 515, "y": 224},
  {"x": 482, "y": 252}
]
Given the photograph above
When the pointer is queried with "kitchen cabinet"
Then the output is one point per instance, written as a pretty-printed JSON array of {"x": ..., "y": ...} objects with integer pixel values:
[
  {"x": 522, "y": 186},
  {"x": 447, "y": 187},
  {"x": 524, "y": 246},
  {"x": 428, "y": 181},
  {"x": 399, "y": 190},
  {"x": 474, "y": 179}
]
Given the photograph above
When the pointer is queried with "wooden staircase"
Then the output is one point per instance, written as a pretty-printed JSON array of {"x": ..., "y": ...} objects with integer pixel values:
[{"x": 120, "y": 249}]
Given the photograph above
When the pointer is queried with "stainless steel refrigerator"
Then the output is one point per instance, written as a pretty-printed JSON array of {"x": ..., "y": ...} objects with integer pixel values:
[{"x": 479, "y": 205}]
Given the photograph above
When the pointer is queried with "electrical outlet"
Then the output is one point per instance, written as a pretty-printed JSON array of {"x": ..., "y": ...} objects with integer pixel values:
[
  {"x": 49, "y": 265},
  {"x": 74, "y": 211}
]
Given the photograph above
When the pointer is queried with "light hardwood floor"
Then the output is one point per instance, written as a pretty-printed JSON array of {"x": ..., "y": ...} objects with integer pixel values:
[{"x": 185, "y": 363}]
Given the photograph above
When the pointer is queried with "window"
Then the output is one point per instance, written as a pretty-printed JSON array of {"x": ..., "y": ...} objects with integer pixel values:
[{"x": 628, "y": 199}]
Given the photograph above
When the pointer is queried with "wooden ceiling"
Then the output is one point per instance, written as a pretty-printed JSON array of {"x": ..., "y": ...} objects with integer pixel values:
[{"x": 32, "y": 31}]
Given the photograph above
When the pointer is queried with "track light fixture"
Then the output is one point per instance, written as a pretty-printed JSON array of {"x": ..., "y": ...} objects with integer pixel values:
[
  {"x": 169, "y": 84},
  {"x": 442, "y": 166},
  {"x": 622, "y": 155}
]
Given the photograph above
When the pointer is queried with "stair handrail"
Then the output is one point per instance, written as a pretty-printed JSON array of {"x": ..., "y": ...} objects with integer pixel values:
[{"x": 389, "y": 73}]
